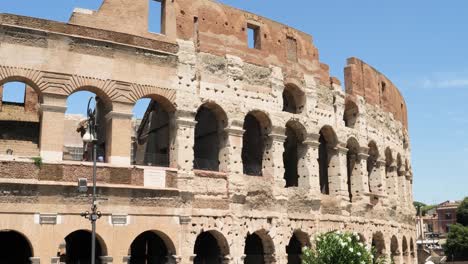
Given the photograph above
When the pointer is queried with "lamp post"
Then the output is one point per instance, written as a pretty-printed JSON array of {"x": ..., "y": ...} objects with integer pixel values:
[{"x": 90, "y": 137}]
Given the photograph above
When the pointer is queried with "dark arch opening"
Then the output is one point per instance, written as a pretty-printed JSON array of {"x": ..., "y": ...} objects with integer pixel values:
[
  {"x": 378, "y": 243},
  {"x": 372, "y": 167},
  {"x": 394, "y": 246},
  {"x": 78, "y": 248},
  {"x": 152, "y": 131},
  {"x": 207, "y": 249},
  {"x": 351, "y": 162},
  {"x": 327, "y": 142},
  {"x": 294, "y": 248},
  {"x": 207, "y": 143},
  {"x": 405, "y": 247},
  {"x": 350, "y": 114},
  {"x": 293, "y": 99},
  {"x": 14, "y": 248},
  {"x": 254, "y": 251},
  {"x": 291, "y": 155},
  {"x": 253, "y": 145},
  {"x": 148, "y": 248}
]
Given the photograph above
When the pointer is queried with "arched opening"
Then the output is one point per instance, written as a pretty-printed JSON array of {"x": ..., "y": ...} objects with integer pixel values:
[
  {"x": 293, "y": 99},
  {"x": 14, "y": 248},
  {"x": 294, "y": 248},
  {"x": 378, "y": 243},
  {"x": 151, "y": 247},
  {"x": 254, "y": 140},
  {"x": 326, "y": 156},
  {"x": 372, "y": 169},
  {"x": 405, "y": 247},
  {"x": 258, "y": 248},
  {"x": 351, "y": 113},
  {"x": 413, "y": 254},
  {"x": 351, "y": 167},
  {"x": 210, "y": 248},
  {"x": 151, "y": 140},
  {"x": 19, "y": 119},
  {"x": 209, "y": 137},
  {"x": 294, "y": 151},
  {"x": 75, "y": 125},
  {"x": 362, "y": 238},
  {"x": 77, "y": 248},
  {"x": 394, "y": 247}
]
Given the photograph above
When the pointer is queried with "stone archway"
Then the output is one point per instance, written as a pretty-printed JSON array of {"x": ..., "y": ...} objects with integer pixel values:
[
  {"x": 259, "y": 248},
  {"x": 298, "y": 240},
  {"x": 151, "y": 247},
  {"x": 14, "y": 248},
  {"x": 210, "y": 247},
  {"x": 77, "y": 248}
]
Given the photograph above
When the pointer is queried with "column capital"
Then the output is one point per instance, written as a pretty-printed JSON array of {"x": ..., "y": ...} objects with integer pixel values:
[
  {"x": 381, "y": 162},
  {"x": 185, "y": 122},
  {"x": 234, "y": 131},
  {"x": 35, "y": 260},
  {"x": 277, "y": 137},
  {"x": 341, "y": 150},
  {"x": 52, "y": 108},
  {"x": 118, "y": 115},
  {"x": 363, "y": 156}
]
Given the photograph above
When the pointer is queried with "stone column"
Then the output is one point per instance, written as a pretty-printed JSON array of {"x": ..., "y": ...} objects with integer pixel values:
[
  {"x": 118, "y": 138},
  {"x": 308, "y": 166},
  {"x": 187, "y": 241},
  {"x": 337, "y": 173},
  {"x": 234, "y": 148},
  {"x": 403, "y": 190},
  {"x": 52, "y": 127},
  {"x": 273, "y": 157},
  {"x": 182, "y": 135},
  {"x": 360, "y": 178},
  {"x": 392, "y": 184},
  {"x": 409, "y": 186},
  {"x": 378, "y": 183}
]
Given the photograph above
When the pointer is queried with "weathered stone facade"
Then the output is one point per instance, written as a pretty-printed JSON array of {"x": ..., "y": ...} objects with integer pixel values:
[{"x": 351, "y": 168}]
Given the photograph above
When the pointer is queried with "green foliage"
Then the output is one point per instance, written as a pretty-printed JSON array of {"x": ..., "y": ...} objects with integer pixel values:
[
  {"x": 339, "y": 248},
  {"x": 462, "y": 212},
  {"x": 456, "y": 248},
  {"x": 37, "y": 161}
]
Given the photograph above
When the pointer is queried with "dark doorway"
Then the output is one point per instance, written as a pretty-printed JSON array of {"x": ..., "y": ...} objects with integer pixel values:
[
  {"x": 253, "y": 146},
  {"x": 254, "y": 252},
  {"x": 323, "y": 165},
  {"x": 294, "y": 250},
  {"x": 148, "y": 248},
  {"x": 291, "y": 158},
  {"x": 207, "y": 250},
  {"x": 14, "y": 248},
  {"x": 78, "y": 248},
  {"x": 206, "y": 148}
]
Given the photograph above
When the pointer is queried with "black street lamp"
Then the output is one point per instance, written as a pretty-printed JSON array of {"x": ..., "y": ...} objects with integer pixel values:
[{"x": 90, "y": 137}]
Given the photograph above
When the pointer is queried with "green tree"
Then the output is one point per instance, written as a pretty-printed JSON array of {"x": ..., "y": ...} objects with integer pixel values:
[
  {"x": 456, "y": 248},
  {"x": 462, "y": 212},
  {"x": 339, "y": 248}
]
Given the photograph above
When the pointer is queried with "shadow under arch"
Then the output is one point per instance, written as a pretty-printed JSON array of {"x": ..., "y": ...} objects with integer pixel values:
[
  {"x": 151, "y": 246},
  {"x": 76, "y": 247},
  {"x": 259, "y": 248},
  {"x": 210, "y": 246},
  {"x": 294, "y": 153},
  {"x": 294, "y": 99},
  {"x": 210, "y": 138},
  {"x": 327, "y": 157},
  {"x": 378, "y": 242},
  {"x": 299, "y": 240},
  {"x": 15, "y": 247},
  {"x": 257, "y": 126}
]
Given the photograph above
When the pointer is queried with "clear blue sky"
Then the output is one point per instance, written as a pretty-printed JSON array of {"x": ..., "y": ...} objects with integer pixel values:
[{"x": 422, "y": 46}]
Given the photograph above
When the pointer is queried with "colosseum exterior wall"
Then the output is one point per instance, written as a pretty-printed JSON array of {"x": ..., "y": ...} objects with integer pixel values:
[{"x": 202, "y": 59}]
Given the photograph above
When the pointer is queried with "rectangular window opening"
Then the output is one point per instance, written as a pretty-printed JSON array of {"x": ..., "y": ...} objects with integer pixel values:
[
  {"x": 253, "y": 36},
  {"x": 156, "y": 16},
  {"x": 13, "y": 93},
  {"x": 291, "y": 47}
]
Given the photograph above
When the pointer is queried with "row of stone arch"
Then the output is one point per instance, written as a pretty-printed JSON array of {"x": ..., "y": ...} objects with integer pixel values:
[
  {"x": 156, "y": 247},
  {"x": 210, "y": 144}
]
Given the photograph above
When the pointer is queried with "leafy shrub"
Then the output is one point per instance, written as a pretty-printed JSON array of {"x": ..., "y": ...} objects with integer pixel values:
[{"x": 339, "y": 248}]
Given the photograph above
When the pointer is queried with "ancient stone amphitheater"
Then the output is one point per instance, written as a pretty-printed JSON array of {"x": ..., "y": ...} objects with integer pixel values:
[{"x": 247, "y": 150}]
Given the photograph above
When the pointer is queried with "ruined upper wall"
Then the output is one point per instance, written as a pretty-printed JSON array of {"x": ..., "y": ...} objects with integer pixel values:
[
  {"x": 216, "y": 29},
  {"x": 363, "y": 80}
]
